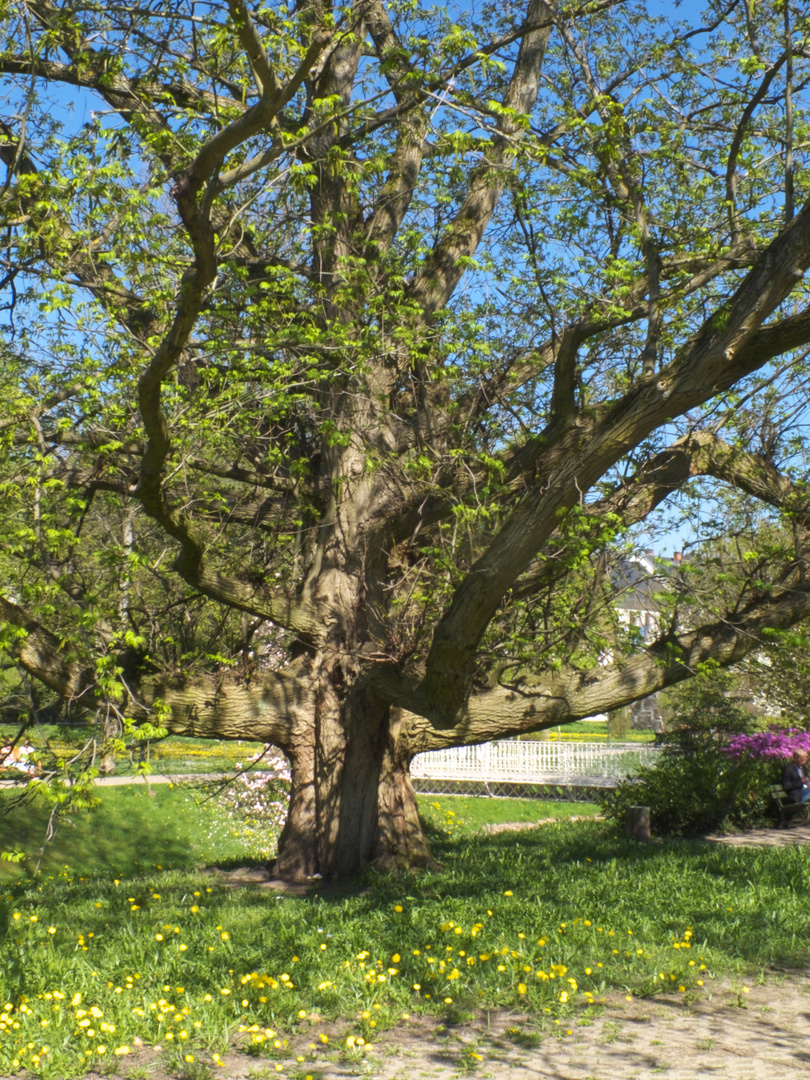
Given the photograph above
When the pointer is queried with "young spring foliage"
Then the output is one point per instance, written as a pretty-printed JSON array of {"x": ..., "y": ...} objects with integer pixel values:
[{"x": 345, "y": 343}]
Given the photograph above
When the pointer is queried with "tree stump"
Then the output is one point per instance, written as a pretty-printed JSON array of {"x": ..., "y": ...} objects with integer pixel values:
[{"x": 637, "y": 822}]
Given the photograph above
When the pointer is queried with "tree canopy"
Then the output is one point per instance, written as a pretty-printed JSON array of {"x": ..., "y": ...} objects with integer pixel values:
[{"x": 344, "y": 344}]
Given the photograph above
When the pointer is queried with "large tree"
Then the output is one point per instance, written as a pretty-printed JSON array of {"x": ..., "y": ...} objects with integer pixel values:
[{"x": 362, "y": 333}]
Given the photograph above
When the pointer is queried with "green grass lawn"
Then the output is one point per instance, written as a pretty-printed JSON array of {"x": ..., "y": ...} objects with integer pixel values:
[
  {"x": 452, "y": 815},
  {"x": 169, "y": 755},
  {"x": 138, "y": 829},
  {"x": 134, "y": 830},
  {"x": 592, "y": 731},
  {"x": 122, "y": 941}
]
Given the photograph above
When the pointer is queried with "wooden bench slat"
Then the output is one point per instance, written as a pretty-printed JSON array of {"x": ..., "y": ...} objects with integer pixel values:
[{"x": 787, "y": 810}]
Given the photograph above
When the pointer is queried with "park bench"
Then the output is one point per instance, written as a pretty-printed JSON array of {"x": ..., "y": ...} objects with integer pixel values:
[{"x": 788, "y": 810}]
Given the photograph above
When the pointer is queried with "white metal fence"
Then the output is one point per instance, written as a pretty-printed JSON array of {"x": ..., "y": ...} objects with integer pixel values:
[{"x": 536, "y": 762}]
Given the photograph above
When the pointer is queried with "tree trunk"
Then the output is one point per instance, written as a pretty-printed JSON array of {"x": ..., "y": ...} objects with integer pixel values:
[{"x": 351, "y": 800}]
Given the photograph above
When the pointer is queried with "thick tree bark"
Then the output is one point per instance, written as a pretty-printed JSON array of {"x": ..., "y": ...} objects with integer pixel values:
[
  {"x": 351, "y": 800},
  {"x": 400, "y": 840}
]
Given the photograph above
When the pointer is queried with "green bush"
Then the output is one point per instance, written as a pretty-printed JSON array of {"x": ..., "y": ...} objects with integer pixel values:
[
  {"x": 697, "y": 787},
  {"x": 696, "y": 792}
]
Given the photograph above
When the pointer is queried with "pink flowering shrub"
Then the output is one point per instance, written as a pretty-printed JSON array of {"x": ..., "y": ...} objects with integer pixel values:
[
  {"x": 714, "y": 772},
  {"x": 775, "y": 744}
]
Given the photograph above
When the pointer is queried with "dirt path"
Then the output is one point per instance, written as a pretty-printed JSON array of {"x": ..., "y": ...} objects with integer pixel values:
[
  {"x": 764, "y": 1039},
  {"x": 761, "y": 1034},
  {"x": 118, "y": 781},
  {"x": 794, "y": 834}
]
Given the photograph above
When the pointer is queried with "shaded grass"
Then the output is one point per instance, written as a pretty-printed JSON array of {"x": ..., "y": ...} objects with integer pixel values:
[
  {"x": 138, "y": 828},
  {"x": 747, "y": 906},
  {"x": 134, "y": 829}
]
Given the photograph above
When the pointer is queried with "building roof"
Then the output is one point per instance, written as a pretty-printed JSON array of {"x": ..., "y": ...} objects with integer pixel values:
[{"x": 641, "y": 578}]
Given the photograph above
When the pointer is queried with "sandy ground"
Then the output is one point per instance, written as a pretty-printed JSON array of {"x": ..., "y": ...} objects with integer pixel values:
[
  {"x": 766, "y": 1039},
  {"x": 758, "y": 1035}
]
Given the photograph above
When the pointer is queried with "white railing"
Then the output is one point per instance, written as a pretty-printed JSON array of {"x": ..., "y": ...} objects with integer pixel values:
[{"x": 535, "y": 762}]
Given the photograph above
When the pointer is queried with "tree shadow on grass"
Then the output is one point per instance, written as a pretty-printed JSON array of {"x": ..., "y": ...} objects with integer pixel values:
[
  {"x": 749, "y": 904},
  {"x": 133, "y": 829},
  {"x": 557, "y": 872}
]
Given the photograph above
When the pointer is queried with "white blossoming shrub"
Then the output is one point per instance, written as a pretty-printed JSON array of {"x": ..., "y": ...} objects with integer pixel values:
[{"x": 256, "y": 801}]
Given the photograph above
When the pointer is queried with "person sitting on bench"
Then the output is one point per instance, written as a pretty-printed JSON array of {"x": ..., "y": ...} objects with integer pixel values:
[{"x": 795, "y": 780}]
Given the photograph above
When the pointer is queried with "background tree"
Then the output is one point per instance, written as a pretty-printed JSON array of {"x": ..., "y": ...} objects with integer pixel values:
[
  {"x": 743, "y": 553},
  {"x": 374, "y": 326}
]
